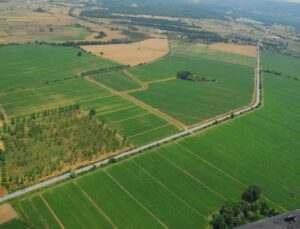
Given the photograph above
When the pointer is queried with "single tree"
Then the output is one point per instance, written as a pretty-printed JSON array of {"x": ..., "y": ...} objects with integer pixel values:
[
  {"x": 252, "y": 194},
  {"x": 92, "y": 112}
]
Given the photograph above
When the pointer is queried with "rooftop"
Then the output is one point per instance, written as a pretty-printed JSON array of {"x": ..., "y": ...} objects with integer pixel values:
[{"x": 290, "y": 220}]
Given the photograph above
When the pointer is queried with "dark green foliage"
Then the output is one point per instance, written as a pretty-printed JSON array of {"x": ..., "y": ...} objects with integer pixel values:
[
  {"x": 186, "y": 75},
  {"x": 104, "y": 70},
  {"x": 55, "y": 141},
  {"x": 112, "y": 160},
  {"x": 73, "y": 174},
  {"x": 101, "y": 35},
  {"x": 92, "y": 112},
  {"x": 252, "y": 194},
  {"x": 79, "y": 53},
  {"x": 233, "y": 214}
]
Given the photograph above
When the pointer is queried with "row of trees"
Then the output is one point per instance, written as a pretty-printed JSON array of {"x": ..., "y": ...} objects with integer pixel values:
[
  {"x": 186, "y": 75},
  {"x": 104, "y": 70}
]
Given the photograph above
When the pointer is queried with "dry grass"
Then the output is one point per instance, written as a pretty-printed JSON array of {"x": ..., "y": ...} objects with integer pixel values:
[
  {"x": 7, "y": 213},
  {"x": 19, "y": 23},
  {"x": 132, "y": 54},
  {"x": 245, "y": 50}
]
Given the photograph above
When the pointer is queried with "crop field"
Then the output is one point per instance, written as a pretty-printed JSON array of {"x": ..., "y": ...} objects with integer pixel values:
[
  {"x": 232, "y": 53},
  {"x": 19, "y": 23},
  {"x": 145, "y": 189},
  {"x": 182, "y": 184},
  {"x": 132, "y": 54},
  {"x": 135, "y": 123},
  {"x": 37, "y": 87},
  {"x": 118, "y": 81},
  {"x": 24, "y": 65},
  {"x": 283, "y": 64},
  {"x": 194, "y": 58},
  {"x": 192, "y": 102}
]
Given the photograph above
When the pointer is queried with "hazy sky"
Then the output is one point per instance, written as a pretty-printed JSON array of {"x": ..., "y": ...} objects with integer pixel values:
[{"x": 296, "y": 1}]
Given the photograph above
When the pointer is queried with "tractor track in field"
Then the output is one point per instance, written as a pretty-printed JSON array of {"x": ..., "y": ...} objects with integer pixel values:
[
  {"x": 141, "y": 104},
  {"x": 254, "y": 105}
]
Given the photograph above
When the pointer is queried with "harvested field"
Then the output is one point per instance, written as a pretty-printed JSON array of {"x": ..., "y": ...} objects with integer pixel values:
[
  {"x": 245, "y": 50},
  {"x": 7, "y": 213},
  {"x": 132, "y": 54}
]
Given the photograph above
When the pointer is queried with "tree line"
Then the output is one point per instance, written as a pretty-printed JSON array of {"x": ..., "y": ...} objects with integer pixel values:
[{"x": 249, "y": 209}]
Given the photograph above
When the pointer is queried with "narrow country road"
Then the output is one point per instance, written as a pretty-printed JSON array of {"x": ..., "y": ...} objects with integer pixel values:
[{"x": 186, "y": 132}]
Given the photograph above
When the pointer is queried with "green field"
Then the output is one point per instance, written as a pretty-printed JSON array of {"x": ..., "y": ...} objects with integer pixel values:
[
  {"x": 191, "y": 49},
  {"x": 118, "y": 81},
  {"x": 192, "y": 102},
  {"x": 180, "y": 185},
  {"x": 195, "y": 60},
  {"x": 281, "y": 63},
  {"x": 13, "y": 224},
  {"x": 43, "y": 77},
  {"x": 27, "y": 65}
]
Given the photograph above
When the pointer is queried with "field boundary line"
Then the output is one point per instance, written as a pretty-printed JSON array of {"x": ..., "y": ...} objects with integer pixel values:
[
  {"x": 4, "y": 113},
  {"x": 225, "y": 173},
  {"x": 193, "y": 177},
  {"x": 161, "y": 80},
  {"x": 155, "y": 111},
  {"x": 132, "y": 117},
  {"x": 147, "y": 131},
  {"x": 52, "y": 212},
  {"x": 137, "y": 201},
  {"x": 169, "y": 190},
  {"x": 22, "y": 210},
  {"x": 141, "y": 104},
  {"x": 136, "y": 79},
  {"x": 38, "y": 213},
  {"x": 90, "y": 199}
]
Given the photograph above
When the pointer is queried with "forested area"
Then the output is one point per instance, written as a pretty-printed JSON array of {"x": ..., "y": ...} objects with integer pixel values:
[{"x": 53, "y": 141}]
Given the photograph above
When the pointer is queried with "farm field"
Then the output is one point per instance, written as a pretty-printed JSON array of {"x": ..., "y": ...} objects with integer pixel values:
[
  {"x": 118, "y": 81},
  {"x": 20, "y": 23},
  {"x": 27, "y": 65},
  {"x": 132, "y": 54},
  {"x": 196, "y": 58},
  {"x": 182, "y": 184},
  {"x": 39, "y": 87},
  {"x": 192, "y": 102},
  {"x": 232, "y": 53},
  {"x": 282, "y": 64}
]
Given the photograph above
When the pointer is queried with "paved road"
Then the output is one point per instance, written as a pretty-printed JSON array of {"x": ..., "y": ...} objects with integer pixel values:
[{"x": 190, "y": 131}]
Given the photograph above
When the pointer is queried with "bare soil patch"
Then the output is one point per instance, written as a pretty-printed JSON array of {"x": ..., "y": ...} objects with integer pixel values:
[
  {"x": 7, "y": 213},
  {"x": 2, "y": 191},
  {"x": 245, "y": 50},
  {"x": 1, "y": 145},
  {"x": 132, "y": 54}
]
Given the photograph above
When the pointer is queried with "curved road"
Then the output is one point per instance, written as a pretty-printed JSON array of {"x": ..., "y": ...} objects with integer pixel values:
[{"x": 190, "y": 131}]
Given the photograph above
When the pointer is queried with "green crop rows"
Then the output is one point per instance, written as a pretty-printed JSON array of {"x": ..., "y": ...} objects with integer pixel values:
[
  {"x": 117, "y": 80},
  {"x": 192, "y": 102},
  {"x": 46, "y": 77},
  {"x": 180, "y": 185}
]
